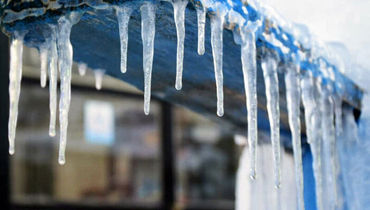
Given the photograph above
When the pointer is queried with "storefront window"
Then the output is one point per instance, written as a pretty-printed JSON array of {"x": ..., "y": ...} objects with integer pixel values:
[{"x": 112, "y": 155}]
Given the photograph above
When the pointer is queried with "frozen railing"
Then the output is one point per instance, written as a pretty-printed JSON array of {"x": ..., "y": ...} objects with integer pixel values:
[{"x": 262, "y": 61}]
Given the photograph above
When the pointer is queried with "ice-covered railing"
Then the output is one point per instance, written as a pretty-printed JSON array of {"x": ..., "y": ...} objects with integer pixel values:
[{"x": 286, "y": 55}]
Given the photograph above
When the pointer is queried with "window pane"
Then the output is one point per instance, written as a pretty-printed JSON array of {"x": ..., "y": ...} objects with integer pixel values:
[
  {"x": 112, "y": 155},
  {"x": 206, "y": 161}
]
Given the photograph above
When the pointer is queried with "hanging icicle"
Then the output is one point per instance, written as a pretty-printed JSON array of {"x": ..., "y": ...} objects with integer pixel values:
[
  {"x": 249, "y": 66},
  {"x": 99, "y": 75},
  {"x": 269, "y": 68},
  {"x": 179, "y": 7},
  {"x": 53, "y": 79},
  {"x": 201, "y": 16},
  {"x": 147, "y": 36},
  {"x": 82, "y": 67},
  {"x": 15, "y": 77},
  {"x": 313, "y": 129},
  {"x": 338, "y": 115},
  {"x": 293, "y": 102},
  {"x": 217, "y": 25},
  {"x": 329, "y": 148},
  {"x": 65, "y": 55},
  {"x": 44, "y": 64},
  {"x": 123, "y": 13}
]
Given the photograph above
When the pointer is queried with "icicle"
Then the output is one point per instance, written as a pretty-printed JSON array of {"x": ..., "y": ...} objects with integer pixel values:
[
  {"x": 269, "y": 67},
  {"x": 293, "y": 103},
  {"x": 65, "y": 53},
  {"x": 99, "y": 74},
  {"x": 147, "y": 35},
  {"x": 53, "y": 80},
  {"x": 44, "y": 63},
  {"x": 15, "y": 77},
  {"x": 249, "y": 66},
  {"x": 201, "y": 15},
  {"x": 338, "y": 115},
  {"x": 123, "y": 13},
  {"x": 309, "y": 103},
  {"x": 217, "y": 24},
  {"x": 179, "y": 7},
  {"x": 329, "y": 148},
  {"x": 82, "y": 67},
  {"x": 338, "y": 132},
  {"x": 313, "y": 129}
]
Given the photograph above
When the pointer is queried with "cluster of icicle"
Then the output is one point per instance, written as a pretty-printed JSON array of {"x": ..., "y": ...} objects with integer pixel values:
[
  {"x": 320, "y": 104},
  {"x": 56, "y": 56}
]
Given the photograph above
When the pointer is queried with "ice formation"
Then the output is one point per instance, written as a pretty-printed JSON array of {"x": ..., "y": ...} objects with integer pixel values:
[
  {"x": 65, "y": 59},
  {"x": 44, "y": 67},
  {"x": 82, "y": 67},
  {"x": 53, "y": 79},
  {"x": 293, "y": 94},
  {"x": 249, "y": 67},
  {"x": 123, "y": 13},
  {"x": 313, "y": 129},
  {"x": 329, "y": 148},
  {"x": 15, "y": 77},
  {"x": 338, "y": 115},
  {"x": 179, "y": 7},
  {"x": 217, "y": 25},
  {"x": 201, "y": 17},
  {"x": 99, "y": 75},
  {"x": 269, "y": 67},
  {"x": 147, "y": 35}
]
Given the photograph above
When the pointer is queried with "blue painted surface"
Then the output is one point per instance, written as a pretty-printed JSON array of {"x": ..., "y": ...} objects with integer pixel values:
[{"x": 309, "y": 180}]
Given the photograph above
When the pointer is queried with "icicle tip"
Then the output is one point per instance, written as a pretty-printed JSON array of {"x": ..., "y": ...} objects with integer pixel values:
[
  {"x": 11, "y": 150},
  {"x": 62, "y": 161},
  {"x": 52, "y": 133},
  {"x": 178, "y": 86},
  {"x": 252, "y": 176},
  {"x": 220, "y": 113},
  {"x": 146, "y": 110}
]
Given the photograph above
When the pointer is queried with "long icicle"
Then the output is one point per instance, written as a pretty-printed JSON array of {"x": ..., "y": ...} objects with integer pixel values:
[
  {"x": 123, "y": 13},
  {"x": 147, "y": 36},
  {"x": 53, "y": 80},
  {"x": 44, "y": 64},
  {"x": 329, "y": 148},
  {"x": 15, "y": 77},
  {"x": 249, "y": 66},
  {"x": 313, "y": 124},
  {"x": 179, "y": 7},
  {"x": 338, "y": 115},
  {"x": 333, "y": 153},
  {"x": 217, "y": 25},
  {"x": 65, "y": 53},
  {"x": 269, "y": 68},
  {"x": 293, "y": 102},
  {"x": 201, "y": 17}
]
